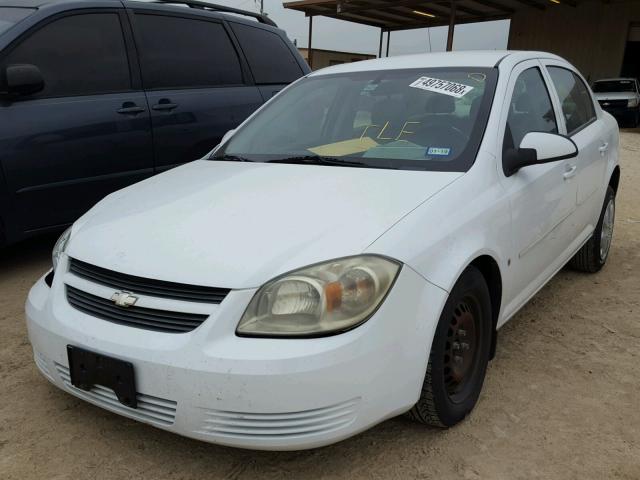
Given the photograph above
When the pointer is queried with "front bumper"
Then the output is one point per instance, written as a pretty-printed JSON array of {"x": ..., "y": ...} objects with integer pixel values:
[{"x": 275, "y": 394}]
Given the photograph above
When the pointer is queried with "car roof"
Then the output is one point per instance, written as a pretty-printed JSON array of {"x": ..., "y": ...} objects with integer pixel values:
[
  {"x": 475, "y": 58},
  {"x": 167, "y": 4},
  {"x": 28, "y": 3}
]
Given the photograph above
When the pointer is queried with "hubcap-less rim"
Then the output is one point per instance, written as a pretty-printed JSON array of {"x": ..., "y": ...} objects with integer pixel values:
[
  {"x": 461, "y": 349},
  {"x": 606, "y": 233}
]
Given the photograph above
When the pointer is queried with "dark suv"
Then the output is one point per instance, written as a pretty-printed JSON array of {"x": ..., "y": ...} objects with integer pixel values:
[{"x": 96, "y": 95}]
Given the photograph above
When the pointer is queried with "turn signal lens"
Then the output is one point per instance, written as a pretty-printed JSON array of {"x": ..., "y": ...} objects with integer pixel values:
[
  {"x": 323, "y": 299},
  {"x": 60, "y": 247}
]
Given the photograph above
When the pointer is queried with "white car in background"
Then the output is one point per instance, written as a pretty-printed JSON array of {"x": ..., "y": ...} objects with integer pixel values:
[
  {"x": 621, "y": 98},
  {"x": 345, "y": 256}
]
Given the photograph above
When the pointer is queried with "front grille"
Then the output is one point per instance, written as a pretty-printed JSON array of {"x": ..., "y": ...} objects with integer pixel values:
[
  {"x": 613, "y": 103},
  {"x": 146, "y": 318},
  {"x": 150, "y": 409},
  {"x": 147, "y": 286},
  {"x": 279, "y": 425}
]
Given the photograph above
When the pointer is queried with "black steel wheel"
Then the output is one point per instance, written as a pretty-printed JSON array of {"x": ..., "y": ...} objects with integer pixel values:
[{"x": 459, "y": 354}]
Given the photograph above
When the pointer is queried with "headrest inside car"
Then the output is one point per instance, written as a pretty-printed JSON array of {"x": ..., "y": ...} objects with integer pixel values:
[
  {"x": 440, "y": 104},
  {"x": 523, "y": 103}
]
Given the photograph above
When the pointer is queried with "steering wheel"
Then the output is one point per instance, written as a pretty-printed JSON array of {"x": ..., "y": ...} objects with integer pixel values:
[{"x": 441, "y": 133}]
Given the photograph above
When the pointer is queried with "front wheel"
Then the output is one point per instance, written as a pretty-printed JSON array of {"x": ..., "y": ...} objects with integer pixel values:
[
  {"x": 593, "y": 254},
  {"x": 459, "y": 354}
]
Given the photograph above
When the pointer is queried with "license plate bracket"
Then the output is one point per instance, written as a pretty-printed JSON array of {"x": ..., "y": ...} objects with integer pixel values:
[{"x": 88, "y": 369}]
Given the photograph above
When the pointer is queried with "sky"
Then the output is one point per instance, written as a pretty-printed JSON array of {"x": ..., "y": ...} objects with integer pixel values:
[{"x": 331, "y": 34}]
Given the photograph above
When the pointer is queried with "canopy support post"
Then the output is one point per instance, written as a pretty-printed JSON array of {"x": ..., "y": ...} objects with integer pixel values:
[
  {"x": 310, "y": 49},
  {"x": 388, "y": 41},
  {"x": 452, "y": 26},
  {"x": 380, "y": 47}
]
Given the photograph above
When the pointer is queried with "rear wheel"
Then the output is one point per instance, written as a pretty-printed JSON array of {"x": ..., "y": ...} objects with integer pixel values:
[
  {"x": 593, "y": 254},
  {"x": 459, "y": 354}
]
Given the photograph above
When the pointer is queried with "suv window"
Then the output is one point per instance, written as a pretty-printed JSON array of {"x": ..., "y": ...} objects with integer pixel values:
[
  {"x": 77, "y": 55},
  {"x": 530, "y": 110},
  {"x": 577, "y": 106},
  {"x": 269, "y": 57},
  {"x": 611, "y": 86},
  {"x": 180, "y": 52}
]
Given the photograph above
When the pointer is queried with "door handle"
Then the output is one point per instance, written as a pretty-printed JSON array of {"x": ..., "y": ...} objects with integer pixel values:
[
  {"x": 603, "y": 148},
  {"x": 570, "y": 172},
  {"x": 130, "y": 108},
  {"x": 164, "y": 104}
]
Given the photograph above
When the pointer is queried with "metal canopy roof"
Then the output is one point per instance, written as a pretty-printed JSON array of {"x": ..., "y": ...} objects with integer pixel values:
[{"x": 393, "y": 15}]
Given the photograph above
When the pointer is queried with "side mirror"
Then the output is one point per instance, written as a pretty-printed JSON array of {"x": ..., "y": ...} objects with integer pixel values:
[
  {"x": 24, "y": 79},
  {"x": 537, "y": 148}
]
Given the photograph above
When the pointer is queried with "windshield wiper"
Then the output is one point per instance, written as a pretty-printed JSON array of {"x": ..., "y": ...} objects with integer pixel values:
[
  {"x": 231, "y": 158},
  {"x": 318, "y": 160}
]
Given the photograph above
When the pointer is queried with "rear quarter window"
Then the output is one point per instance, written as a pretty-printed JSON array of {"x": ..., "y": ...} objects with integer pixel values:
[{"x": 270, "y": 58}]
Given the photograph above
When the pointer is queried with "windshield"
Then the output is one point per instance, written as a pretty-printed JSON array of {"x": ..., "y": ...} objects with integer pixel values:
[
  {"x": 427, "y": 119},
  {"x": 614, "y": 86},
  {"x": 9, "y": 16}
]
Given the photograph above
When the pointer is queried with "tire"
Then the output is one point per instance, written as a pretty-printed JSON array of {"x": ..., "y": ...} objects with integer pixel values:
[
  {"x": 446, "y": 400},
  {"x": 636, "y": 120},
  {"x": 593, "y": 254}
]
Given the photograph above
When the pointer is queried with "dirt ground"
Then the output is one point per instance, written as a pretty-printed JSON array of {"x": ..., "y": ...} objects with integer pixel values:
[{"x": 561, "y": 400}]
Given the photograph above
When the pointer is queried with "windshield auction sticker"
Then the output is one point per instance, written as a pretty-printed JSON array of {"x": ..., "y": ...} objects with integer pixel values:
[{"x": 445, "y": 87}]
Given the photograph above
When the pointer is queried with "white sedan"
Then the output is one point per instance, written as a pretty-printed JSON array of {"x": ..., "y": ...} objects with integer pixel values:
[{"x": 345, "y": 256}]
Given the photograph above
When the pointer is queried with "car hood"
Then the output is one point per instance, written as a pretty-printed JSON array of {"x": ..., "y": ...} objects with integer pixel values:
[
  {"x": 237, "y": 225},
  {"x": 615, "y": 96}
]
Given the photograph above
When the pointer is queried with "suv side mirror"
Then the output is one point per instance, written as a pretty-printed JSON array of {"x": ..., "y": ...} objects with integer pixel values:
[
  {"x": 537, "y": 148},
  {"x": 23, "y": 79}
]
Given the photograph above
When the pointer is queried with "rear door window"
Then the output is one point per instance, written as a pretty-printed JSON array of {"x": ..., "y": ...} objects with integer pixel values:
[
  {"x": 77, "y": 55},
  {"x": 577, "y": 106},
  {"x": 270, "y": 58},
  {"x": 178, "y": 52}
]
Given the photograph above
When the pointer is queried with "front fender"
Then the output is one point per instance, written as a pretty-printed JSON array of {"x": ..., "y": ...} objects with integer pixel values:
[{"x": 469, "y": 218}]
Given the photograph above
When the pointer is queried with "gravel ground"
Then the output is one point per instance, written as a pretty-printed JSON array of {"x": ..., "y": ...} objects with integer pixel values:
[{"x": 560, "y": 401}]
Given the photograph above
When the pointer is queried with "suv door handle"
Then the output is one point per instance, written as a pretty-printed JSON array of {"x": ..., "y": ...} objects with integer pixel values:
[
  {"x": 570, "y": 172},
  {"x": 164, "y": 104},
  {"x": 603, "y": 148},
  {"x": 130, "y": 108}
]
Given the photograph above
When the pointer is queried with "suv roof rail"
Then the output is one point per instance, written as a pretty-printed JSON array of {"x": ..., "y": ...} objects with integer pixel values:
[{"x": 221, "y": 8}]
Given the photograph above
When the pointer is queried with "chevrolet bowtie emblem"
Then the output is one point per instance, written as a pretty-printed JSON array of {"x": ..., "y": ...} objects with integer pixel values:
[{"x": 124, "y": 299}]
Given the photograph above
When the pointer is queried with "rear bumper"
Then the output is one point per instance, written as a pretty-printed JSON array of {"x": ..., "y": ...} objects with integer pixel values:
[{"x": 271, "y": 394}]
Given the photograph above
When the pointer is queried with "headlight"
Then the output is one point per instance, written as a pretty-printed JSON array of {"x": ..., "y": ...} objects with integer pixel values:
[
  {"x": 633, "y": 102},
  {"x": 59, "y": 247},
  {"x": 320, "y": 300}
]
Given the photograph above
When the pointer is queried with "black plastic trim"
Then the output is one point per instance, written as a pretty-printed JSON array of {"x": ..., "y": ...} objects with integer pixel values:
[
  {"x": 147, "y": 286},
  {"x": 137, "y": 317}
]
